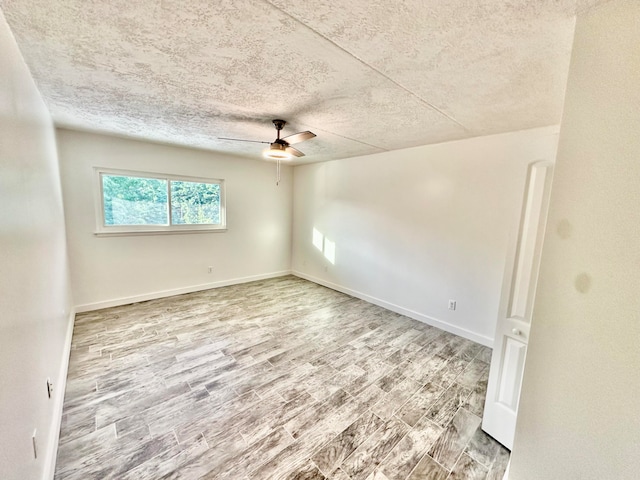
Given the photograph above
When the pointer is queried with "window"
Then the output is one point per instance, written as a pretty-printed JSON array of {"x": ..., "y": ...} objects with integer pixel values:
[{"x": 135, "y": 202}]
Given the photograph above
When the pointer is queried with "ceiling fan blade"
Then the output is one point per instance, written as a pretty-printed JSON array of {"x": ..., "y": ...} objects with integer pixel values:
[
  {"x": 299, "y": 137},
  {"x": 241, "y": 140},
  {"x": 294, "y": 151}
]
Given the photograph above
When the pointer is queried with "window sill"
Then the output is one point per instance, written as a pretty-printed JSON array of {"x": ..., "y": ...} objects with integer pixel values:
[{"x": 181, "y": 231}]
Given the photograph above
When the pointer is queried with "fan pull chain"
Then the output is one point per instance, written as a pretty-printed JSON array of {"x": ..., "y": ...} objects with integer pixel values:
[{"x": 278, "y": 172}]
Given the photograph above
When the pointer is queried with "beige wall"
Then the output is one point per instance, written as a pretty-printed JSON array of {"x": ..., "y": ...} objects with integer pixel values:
[
  {"x": 35, "y": 299},
  {"x": 414, "y": 228},
  {"x": 579, "y": 414},
  {"x": 115, "y": 270}
]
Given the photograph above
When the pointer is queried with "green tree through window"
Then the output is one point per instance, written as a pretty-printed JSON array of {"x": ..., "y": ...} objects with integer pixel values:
[
  {"x": 134, "y": 200},
  {"x": 195, "y": 203},
  {"x": 138, "y": 201}
]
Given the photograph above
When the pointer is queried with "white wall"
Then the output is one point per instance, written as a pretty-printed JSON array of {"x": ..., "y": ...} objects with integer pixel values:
[
  {"x": 114, "y": 270},
  {"x": 414, "y": 228},
  {"x": 579, "y": 414},
  {"x": 35, "y": 301}
]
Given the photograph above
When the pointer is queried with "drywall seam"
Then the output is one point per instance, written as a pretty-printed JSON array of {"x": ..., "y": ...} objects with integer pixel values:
[
  {"x": 462, "y": 332},
  {"x": 176, "y": 291},
  {"x": 59, "y": 391}
]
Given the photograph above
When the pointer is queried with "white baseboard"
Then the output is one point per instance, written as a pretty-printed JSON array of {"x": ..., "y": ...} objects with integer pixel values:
[
  {"x": 58, "y": 392},
  {"x": 176, "y": 291},
  {"x": 462, "y": 332}
]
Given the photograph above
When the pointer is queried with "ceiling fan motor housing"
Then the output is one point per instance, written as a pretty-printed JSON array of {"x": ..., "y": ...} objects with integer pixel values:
[{"x": 279, "y": 124}]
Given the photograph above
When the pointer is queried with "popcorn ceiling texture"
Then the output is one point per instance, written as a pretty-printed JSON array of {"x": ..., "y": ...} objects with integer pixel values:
[{"x": 365, "y": 76}]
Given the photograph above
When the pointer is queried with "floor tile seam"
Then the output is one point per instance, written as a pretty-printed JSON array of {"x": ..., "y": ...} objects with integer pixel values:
[
  {"x": 95, "y": 428},
  {"x": 129, "y": 343},
  {"x": 435, "y": 400},
  {"x": 473, "y": 459},
  {"x": 291, "y": 437},
  {"x": 158, "y": 454},
  {"x": 426, "y": 454},
  {"x": 295, "y": 464},
  {"x": 382, "y": 425},
  {"x": 402, "y": 421},
  {"x": 216, "y": 408},
  {"x": 193, "y": 437},
  {"x": 368, "y": 410},
  {"x": 331, "y": 413},
  {"x": 469, "y": 454},
  {"x": 161, "y": 418},
  {"x": 493, "y": 460},
  {"x": 480, "y": 352},
  {"x": 271, "y": 391},
  {"x": 462, "y": 407},
  {"x": 464, "y": 399},
  {"x": 345, "y": 473},
  {"x": 111, "y": 450},
  {"x": 70, "y": 383},
  {"x": 284, "y": 427},
  {"x": 464, "y": 447},
  {"x": 409, "y": 398},
  {"x": 449, "y": 470},
  {"x": 192, "y": 389},
  {"x": 382, "y": 461},
  {"x": 95, "y": 401},
  {"x": 323, "y": 472},
  {"x": 310, "y": 460},
  {"x": 413, "y": 429}
]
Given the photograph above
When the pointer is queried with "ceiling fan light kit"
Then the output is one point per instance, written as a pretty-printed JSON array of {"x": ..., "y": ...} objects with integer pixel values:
[{"x": 277, "y": 151}]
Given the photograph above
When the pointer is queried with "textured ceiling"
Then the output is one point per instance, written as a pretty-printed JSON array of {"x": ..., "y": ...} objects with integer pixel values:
[{"x": 365, "y": 75}]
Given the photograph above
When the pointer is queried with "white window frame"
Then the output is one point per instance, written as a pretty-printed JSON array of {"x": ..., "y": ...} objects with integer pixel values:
[{"x": 106, "y": 230}]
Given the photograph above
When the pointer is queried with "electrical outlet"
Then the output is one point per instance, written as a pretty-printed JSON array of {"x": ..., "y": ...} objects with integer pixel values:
[
  {"x": 210, "y": 269},
  {"x": 452, "y": 304},
  {"x": 49, "y": 388}
]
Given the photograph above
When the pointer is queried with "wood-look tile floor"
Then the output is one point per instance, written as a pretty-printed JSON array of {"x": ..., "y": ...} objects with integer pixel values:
[{"x": 277, "y": 379}]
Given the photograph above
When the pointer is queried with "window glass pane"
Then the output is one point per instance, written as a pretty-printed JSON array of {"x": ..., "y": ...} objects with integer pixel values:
[
  {"x": 195, "y": 203},
  {"x": 134, "y": 200}
]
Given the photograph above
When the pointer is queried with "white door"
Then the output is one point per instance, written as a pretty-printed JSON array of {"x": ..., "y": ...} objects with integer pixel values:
[{"x": 516, "y": 305}]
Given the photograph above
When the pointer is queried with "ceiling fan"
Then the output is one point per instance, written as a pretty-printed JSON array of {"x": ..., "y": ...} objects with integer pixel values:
[{"x": 280, "y": 148}]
